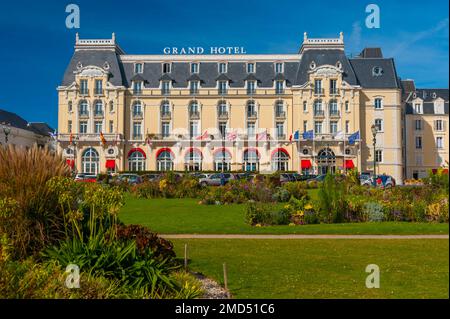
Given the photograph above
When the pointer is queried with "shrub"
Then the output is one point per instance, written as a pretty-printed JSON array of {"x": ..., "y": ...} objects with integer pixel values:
[
  {"x": 36, "y": 220},
  {"x": 262, "y": 214},
  {"x": 296, "y": 189},
  {"x": 374, "y": 212},
  {"x": 281, "y": 195},
  {"x": 332, "y": 200}
]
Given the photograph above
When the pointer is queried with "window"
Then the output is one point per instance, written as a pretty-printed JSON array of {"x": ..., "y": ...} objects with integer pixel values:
[
  {"x": 194, "y": 109},
  {"x": 83, "y": 127},
  {"x": 279, "y": 109},
  {"x": 318, "y": 87},
  {"x": 223, "y": 129},
  {"x": 417, "y": 108},
  {"x": 165, "y": 87},
  {"x": 69, "y": 106},
  {"x": 90, "y": 161},
  {"x": 318, "y": 127},
  {"x": 98, "y": 127},
  {"x": 98, "y": 108},
  {"x": 222, "y": 68},
  {"x": 378, "y": 103},
  {"x": 166, "y": 68},
  {"x": 222, "y": 108},
  {"x": 334, "y": 108},
  {"x": 377, "y": 71},
  {"x": 165, "y": 161},
  {"x": 347, "y": 127},
  {"x": 318, "y": 109},
  {"x": 193, "y": 160},
  {"x": 137, "y": 87},
  {"x": 165, "y": 108},
  {"x": 419, "y": 159},
  {"x": 223, "y": 87},
  {"x": 165, "y": 129},
  {"x": 305, "y": 126},
  {"x": 194, "y": 67},
  {"x": 250, "y": 67},
  {"x": 279, "y": 87},
  {"x": 347, "y": 106},
  {"x": 193, "y": 87},
  {"x": 251, "y": 129},
  {"x": 439, "y": 142},
  {"x": 222, "y": 160},
  {"x": 111, "y": 106},
  {"x": 418, "y": 125},
  {"x": 111, "y": 126},
  {"x": 84, "y": 87},
  {"x": 418, "y": 142},
  {"x": 137, "y": 131},
  {"x": 379, "y": 125},
  {"x": 83, "y": 108},
  {"x": 251, "y": 87},
  {"x": 136, "y": 161},
  {"x": 137, "y": 109},
  {"x": 333, "y": 87},
  {"x": 98, "y": 87},
  {"x": 379, "y": 156},
  {"x": 251, "y": 109},
  {"x": 333, "y": 127},
  {"x": 193, "y": 129},
  {"x": 280, "y": 160},
  {"x": 438, "y": 125},
  {"x": 280, "y": 130},
  {"x": 138, "y": 68},
  {"x": 278, "y": 67},
  {"x": 251, "y": 161},
  {"x": 348, "y": 151},
  {"x": 305, "y": 106},
  {"x": 69, "y": 126}
]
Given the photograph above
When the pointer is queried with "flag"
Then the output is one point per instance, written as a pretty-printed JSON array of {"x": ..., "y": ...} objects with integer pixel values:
[
  {"x": 231, "y": 136},
  {"x": 290, "y": 138},
  {"x": 352, "y": 138},
  {"x": 203, "y": 136},
  {"x": 53, "y": 135},
  {"x": 308, "y": 135},
  {"x": 71, "y": 139},
  {"x": 261, "y": 136},
  {"x": 102, "y": 138},
  {"x": 339, "y": 135},
  {"x": 296, "y": 135}
]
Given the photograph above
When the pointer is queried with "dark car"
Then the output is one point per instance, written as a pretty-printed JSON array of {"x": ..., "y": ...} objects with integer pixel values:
[
  {"x": 217, "y": 179},
  {"x": 287, "y": 177},
  {"x": 131, "y": 179},
  {"x": 150, "y": 177}
]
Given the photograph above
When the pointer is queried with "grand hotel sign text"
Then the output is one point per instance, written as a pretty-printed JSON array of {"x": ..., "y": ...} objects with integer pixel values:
[{"x": 201, "y": 50}]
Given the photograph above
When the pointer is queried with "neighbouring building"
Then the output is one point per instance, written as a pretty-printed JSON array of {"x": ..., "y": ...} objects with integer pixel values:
[
  {"x": 14, "y": 130},
  {"x": 309, "y": 112}
]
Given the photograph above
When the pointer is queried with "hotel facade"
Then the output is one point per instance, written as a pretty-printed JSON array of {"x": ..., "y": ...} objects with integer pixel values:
[{"x": 311, "y": 112}]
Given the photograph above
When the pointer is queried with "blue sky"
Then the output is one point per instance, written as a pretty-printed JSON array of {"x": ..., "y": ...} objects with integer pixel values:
[{"x": 36, "y": 46}]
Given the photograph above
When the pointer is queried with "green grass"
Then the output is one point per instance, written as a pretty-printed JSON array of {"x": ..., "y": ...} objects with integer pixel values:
[
  {"x": 323, "y": 268},
  {"x": 186, "y": 216}
]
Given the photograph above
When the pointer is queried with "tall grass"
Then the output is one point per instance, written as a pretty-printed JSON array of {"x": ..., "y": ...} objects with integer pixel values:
[{"x": 33, "y": 222}]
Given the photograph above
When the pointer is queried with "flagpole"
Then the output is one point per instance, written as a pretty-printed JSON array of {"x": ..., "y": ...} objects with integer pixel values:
[{"x": 314, "y": 152}]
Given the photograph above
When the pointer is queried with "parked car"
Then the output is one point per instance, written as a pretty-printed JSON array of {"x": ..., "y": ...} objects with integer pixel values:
[
  {"x": 83, "y": 177},
  {"x": 306, "y": 177},
  {"x": 383, "y": 181},
  {"x": 199, "y": 175},
  {"x": 286, "y": 177},
  {"x": 247, "y": 176},
  {"x": 217, "y": 179},
  {"x": 150, "y": 177},
  {"x": 131, "y": 179}
]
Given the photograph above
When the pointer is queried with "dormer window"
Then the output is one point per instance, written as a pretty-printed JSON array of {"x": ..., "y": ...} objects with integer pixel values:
[
  {"x": 194, "y": 68},
  {"x": 439, "y": 106},
  {"x": 279, "y": 87},
  {"x": 377, "y": 71},
  {"x": 339, "y": 64},
  {"x": 250, "y": 67},
  {"x": 138, "y": 68},
  {"x": 251, "y": 87},
  {"x": 165, "y": 87},
  {"x": 312, "y": 66},
  {"x": 222, "y": 68},
  {"x": 279, "y": 67},
  {"x": 137, "y": 87},
  {"x": 434, "y": 95},
  {"x": 223, "y": 86},
  {"x": 166, "y": 68},
  {"x": 417, "y": 108},
  {"x": 193, "y": 87}
]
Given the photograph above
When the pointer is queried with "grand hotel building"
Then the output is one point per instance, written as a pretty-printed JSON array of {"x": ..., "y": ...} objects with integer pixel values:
[{"x": 309, "y": 112}]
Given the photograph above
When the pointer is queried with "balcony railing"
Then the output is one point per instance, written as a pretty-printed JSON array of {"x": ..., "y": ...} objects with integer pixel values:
[
  {"x": 98, "y": 91},
  {"x": 83, "y": 115},
  {"x": 334, "y": 91},
  {"x": 252, "y": 115},
  {"x": 281, "y": 136},
  {"x": 251, "y": 91},
  {"x": 166, "y": 115},
  {"x": 137, "y": 137},
  {"x": 222, "y": 91},
  {"x": 98, "y": 114},
  {"x": 280, "y": 115},
  {"x": 319, "y": 91},
  {"x": 279, "y": 91},
  {"x": 193, "y": 91},
  {"x": 223, "y": 115},
  {"x": 137, "y": 114},
  {"x": 165, "y": 91},
  {"x": 194, "y": 115},
  {"x": 84, "y": 91},
  {"x": 334, "y": 113},
  {"x": 319, "y": 113}
]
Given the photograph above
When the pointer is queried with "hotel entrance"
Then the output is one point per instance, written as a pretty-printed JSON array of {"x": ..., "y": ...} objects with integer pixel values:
[{"x": 326, "y": 161}]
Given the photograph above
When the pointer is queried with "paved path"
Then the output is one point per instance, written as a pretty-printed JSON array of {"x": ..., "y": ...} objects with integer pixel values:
[{"x": 237, "y": 236}]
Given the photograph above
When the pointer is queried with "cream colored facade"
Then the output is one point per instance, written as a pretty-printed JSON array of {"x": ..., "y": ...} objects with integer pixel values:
[{"x": 148, "y": 121}]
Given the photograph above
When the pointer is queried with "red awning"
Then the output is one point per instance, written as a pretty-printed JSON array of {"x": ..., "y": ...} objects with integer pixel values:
[
  {"x": 70, "y": 163},
  {"x": 349, "y": 164},
  {"x": 306, "y": 164},
  {"x": 111, "y": 164}
]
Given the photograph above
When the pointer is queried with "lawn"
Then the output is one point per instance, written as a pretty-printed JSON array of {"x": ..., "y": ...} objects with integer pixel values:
[
  {"x": 323, "y": 268},
  {"x": 186, "y": 216}
]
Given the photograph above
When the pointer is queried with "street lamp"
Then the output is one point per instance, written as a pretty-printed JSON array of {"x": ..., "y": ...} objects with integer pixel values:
[
  {"x": 6, "y": 131},
  {"x": 374, "y": 141}
]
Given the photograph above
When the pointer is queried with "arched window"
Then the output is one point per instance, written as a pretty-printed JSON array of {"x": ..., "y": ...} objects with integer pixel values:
[
  {"x": 83, "y": 108},
  {"x": 136, "y": 160},
  {"x": 98, "y": 108},
  {"x": 164, "y": 160},
  {"x": 318, "y": 108},
  {"x": 334, "y": 111},
  {"x": 193, "y": 160},
  {"x": 326, "y": 160},
  {"x": 137, "y": 108},
  {"x": 222, "y": 160},
  {"x": 280, "y": 160},
  {"x": 251, "y": 160},
  {"x": 90, "y": 161}
]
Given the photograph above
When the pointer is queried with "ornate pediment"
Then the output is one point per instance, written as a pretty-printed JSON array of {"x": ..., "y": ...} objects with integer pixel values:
[
  {"x": 326, "y": 71},
  {"x": 91, "y": 71}
]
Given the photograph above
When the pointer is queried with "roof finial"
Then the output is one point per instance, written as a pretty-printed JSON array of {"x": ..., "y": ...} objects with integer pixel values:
[
  {"x": 114, "y": 37},
  {"x": 77, "y": 38},
  {"x": 341, "y": 36},
  {"x": 305, "y": 36}
]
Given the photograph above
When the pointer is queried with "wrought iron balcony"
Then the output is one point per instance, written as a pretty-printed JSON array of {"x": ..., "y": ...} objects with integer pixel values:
[
  {"x": 98, "y": 91},
  {"x": 223, "y": 115},
  {"x": 252, "y": 115},
  {"x": 334, "y": 113},
  {"x": 334, "y": 91},
  {"x": 83, "y": 115},
  {"x": 98, "y": 114},
  {"x": 166, "y": 115},
  {"x": 138, "y": 115},
  {"x": 194, "y": 115},
  {"x": 319, "y": 113},
  {"x": 84, "y": 92},
  {"x": 319, "y": 91},
  {"x": 280, "y": 115}
]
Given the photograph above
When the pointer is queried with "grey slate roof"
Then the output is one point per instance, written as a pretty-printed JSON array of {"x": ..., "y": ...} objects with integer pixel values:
[
  {"x": 371, "y": 53},
  {"x": 363, "y": 69},
  {"x": 427, "y": 96},
  {"x": 15, "y": 120}
]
